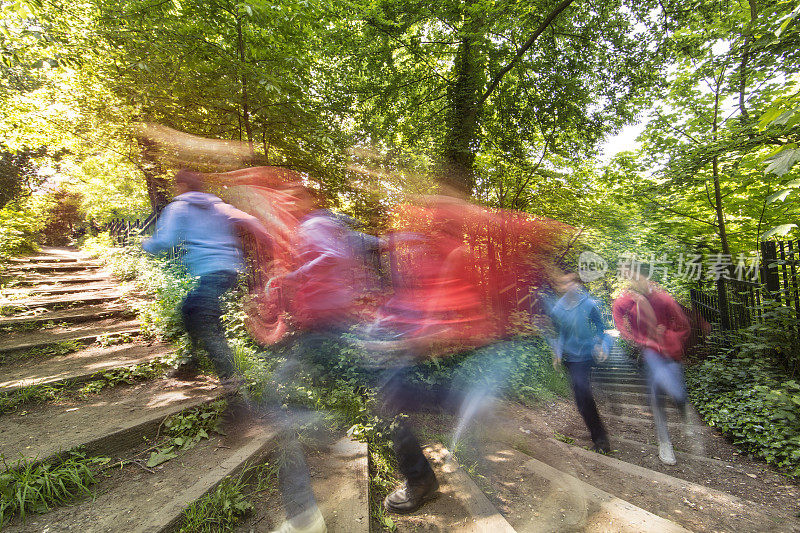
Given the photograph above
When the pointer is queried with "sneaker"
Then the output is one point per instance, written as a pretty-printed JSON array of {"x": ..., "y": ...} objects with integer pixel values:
[
  {"x": 410, "y": 497},
  {"x": 666, "y": 454},
  {"x": 307, "y": 522}
]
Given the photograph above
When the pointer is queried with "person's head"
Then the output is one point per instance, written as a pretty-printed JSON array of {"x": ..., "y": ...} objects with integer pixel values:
[
  {"x": 189, "y": 181},
  {"x": 567, "y": 282},
  {"x": 640, "y": 284}
]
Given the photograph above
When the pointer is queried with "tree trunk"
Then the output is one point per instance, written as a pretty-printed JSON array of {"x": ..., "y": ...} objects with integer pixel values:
[
  {"x": 245, "y": 101},
  {"x": 461, "y": 139},
  {"x": 722, "y": 293},
  {"x": 158, "y": 188}
]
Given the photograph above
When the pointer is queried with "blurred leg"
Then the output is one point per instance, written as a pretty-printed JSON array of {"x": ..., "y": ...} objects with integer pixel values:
[
  {"x": 201, "y": 311},
  {"x": 658, "y": 373},
  {"x": 580, "y": 375},
  {"x": 411, "y": 462}
]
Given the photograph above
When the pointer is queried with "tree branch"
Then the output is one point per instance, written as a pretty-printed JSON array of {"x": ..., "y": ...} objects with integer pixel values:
[{"x": 543, "y": 26}]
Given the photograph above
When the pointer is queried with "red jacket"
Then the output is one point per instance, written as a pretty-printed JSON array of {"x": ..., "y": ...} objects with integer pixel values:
[{"x": 653, "y": 321}]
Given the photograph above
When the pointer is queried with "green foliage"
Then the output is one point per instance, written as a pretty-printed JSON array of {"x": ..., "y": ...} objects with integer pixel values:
[
  {"x": 750, "y": 400},
  {"x": 186, "y": 429},
  {"x": 30, "y": 487},
  {"x": 64, "y": 219},
  {"x": 563, "y": 438},
  {"x": 775, "y": 337},
  {"x": 20, "y": 224},
  {"x": 218, "y": 511},
  {"x": 222, "y": 509},
  {"x": 164, "y": 284},
  {"x": 18, "y": 176},
  {"x": 52, "y": 349}
]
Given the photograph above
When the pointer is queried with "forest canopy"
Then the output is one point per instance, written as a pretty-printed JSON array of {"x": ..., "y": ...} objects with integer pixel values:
[{"x": 509, "y": 103}]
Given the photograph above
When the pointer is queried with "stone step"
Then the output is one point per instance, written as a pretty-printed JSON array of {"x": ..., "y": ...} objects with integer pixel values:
[
  {"x": 74, "y": 315},
  {"x": 44, "y": 259},
  {"x": 627, "y": 378},
  {"x": 344, "y": 491},
  {"x": 455, "y": 484},
  {"x": 617, "y": 386},
  {"x": 592, "y": 509},
  {"x": 71, "y": 300},
  {"x": 682, "y": 456},
  {"x": 56, "y": 288},
  {"x": 340, "y": 482},
  {"x": 136, "y": 501},
  {"x": 105, "y": 423},
  {"x": 617, "y": 371},
  {"x": 80, "y": 333},
  {"x": 690, "y": 504},
  {"x": 54, "y": 268},
  {"x": 38, "y": 279},
  {"x": 631, "y": 396},
  {"x": 699, "y": 504},
  {"x": 642, "y": 418},
  {"x": 78, "y": 366}
]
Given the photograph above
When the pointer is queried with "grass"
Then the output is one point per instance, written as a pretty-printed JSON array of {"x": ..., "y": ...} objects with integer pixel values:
[
  {"x": 383, "y": 478},
  {"x": 563, "y": 438},
  {"x": 30, "y": 487},
  {"x": 52, "y": 349},
  {"x": 42, "y": 393},
  {"x": 222, "y": 509},
  {"x": 23, "y": 327}
]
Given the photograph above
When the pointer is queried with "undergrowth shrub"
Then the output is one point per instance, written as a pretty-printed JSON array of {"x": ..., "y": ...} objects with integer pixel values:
[
  {"x": 750, "y": 400},
  {"x": 776, "y": 337},
  {"x": 223, "y": 508},
  {"x": 20, "y": 224},
  {"x": 163, "y": 283}
]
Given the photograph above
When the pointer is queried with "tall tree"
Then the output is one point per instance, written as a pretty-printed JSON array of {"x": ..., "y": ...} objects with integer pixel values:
[
  {"x": 479, "y": 84},
  {"x": 702, "y": 144}
]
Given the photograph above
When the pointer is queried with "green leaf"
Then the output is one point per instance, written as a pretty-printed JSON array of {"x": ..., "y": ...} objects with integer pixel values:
[
  {"x": 782, "y": 161},
  {"x": 161, "y": 456},
  {"x": 780, "y": 195},
  {"x": 780, "y": 231},
  {"x": 388, "y": 523},
  {"x": 789, "y": 18}
]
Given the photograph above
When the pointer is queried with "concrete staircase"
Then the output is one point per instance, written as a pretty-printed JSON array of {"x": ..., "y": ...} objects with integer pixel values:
[
  {"x": 61, "y": 297},
  {"x": 56, "y": 307}
]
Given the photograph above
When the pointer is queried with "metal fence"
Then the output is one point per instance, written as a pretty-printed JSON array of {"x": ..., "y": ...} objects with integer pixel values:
[
  {"x": 735, "y": 304},
  {"x": 123, "y": 231}
]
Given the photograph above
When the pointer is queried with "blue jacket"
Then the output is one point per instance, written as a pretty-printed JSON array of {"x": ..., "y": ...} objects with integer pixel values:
[
  {"x": 206, "y": 228},
  {"x": 580, "y": 328}
]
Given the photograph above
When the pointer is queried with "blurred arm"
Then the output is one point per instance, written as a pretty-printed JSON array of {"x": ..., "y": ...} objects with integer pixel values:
[{"x": 168, "y": 228}]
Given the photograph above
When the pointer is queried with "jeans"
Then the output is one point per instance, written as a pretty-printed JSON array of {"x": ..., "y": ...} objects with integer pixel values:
[
  {"x": 201, "y": 318},
  {"x": 664, "y": 375},
  {"x": 579, "y": 375}
]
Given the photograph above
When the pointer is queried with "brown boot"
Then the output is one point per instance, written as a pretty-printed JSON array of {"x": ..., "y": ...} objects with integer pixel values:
[{"x": 409, "y": 497}]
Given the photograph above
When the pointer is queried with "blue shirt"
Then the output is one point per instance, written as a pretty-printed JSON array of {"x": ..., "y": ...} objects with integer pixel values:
[
  {"x": 206, "y": 228},
  {"x": 580, "y": 327}
]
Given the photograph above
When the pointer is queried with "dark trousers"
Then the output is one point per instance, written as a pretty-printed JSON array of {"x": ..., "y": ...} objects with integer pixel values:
[
  {"x": 394, "y": 391},
  {"x": 201, "y": 317},
  {"x": 580, "y": 373}
]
